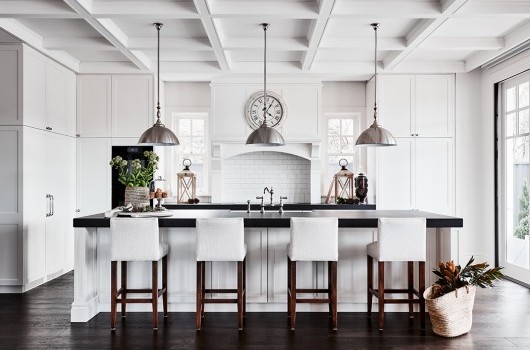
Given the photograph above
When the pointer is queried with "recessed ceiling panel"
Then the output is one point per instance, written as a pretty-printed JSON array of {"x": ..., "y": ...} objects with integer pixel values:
[
  {"x": 439, "y": 55},
  {"x": 257, "y": 56},
  {"x": 172, "y": 28},
  {"x": 279, "y": 28},
  {"x": 52, "y": 27},
  {"x": 97, "y": 56},
  {"x": 344, "y": 55},
  {"x": 389, "y": 27},
  {"x": 181, "y": 55},
  {"x": 477, "y": 27}
]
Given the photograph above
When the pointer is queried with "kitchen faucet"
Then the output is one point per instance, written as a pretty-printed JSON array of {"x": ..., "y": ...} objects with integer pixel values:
[{"x": 271, "y": 191}]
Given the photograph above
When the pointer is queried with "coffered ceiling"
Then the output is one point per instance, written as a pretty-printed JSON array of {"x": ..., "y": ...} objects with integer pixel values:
[{"x": 332, "y": 38}]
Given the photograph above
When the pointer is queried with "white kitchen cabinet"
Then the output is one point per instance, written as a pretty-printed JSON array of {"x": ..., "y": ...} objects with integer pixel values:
[
  {"x": 36, "y": 91},
  {"x": 93, "y": 175},
  {"x": 415, "y": 105},
  {"x": 94, "y": 105},
  {"x": 40, "y": 164},
  {"x": 132, "y": 105},
  {"x": 60, "y": 99},
  {"x": 416, "y": 174},
  {"x": 114, "y": 105}
]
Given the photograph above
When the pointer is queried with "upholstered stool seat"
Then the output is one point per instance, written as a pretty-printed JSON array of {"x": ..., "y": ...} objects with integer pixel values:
[
  {"x": 136, "y": 239},
  {"x": 313, "y": 239},
  {"x": 221, "y": 239},
  {"x": 399, "y": 239}
]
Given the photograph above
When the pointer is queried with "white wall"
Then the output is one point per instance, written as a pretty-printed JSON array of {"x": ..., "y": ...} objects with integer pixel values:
[
  {"x": 185, "y": 96},
  {"x": 474, "y": 169},
  {"x": 343, "y": 94},
  {"x": 245, "y": 176}
]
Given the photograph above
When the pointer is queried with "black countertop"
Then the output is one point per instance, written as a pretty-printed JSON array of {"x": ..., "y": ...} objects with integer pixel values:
[
  {"x": 347, "y": 218},
  {"x": 256, "y": 207}
]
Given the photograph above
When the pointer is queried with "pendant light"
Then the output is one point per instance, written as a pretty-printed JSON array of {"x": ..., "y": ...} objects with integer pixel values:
[
  {"x": 158, "y": 134},
  {"x": 265, "y": 135},
  {"x": 375, "y": 135}
]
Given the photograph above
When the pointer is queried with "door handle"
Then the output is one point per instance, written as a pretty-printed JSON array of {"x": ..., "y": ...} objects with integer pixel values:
[
  {"x": 48, "y": 205},
  {"x": 53, "y": 205}
]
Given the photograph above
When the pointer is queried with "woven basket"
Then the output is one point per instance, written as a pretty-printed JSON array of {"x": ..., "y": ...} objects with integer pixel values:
[
  {"x": 137, "y": 196},
  {"x": 451, "y": 314}
]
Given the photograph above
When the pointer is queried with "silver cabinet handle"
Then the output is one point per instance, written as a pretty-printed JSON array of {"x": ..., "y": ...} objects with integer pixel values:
[
  {"x": 53, "y": 205},
  {"x": 48, "y": 205}
]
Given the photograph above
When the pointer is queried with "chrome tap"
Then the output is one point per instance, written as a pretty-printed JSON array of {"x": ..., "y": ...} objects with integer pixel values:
[
  {"x": 281, "y": 204},
  {"x": 271, "y": 191},
  {"x": 262, "y": 206}
]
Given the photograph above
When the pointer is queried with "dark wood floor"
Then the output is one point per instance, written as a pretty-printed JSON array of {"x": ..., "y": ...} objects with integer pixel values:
[{"x": 40, "y": 318}]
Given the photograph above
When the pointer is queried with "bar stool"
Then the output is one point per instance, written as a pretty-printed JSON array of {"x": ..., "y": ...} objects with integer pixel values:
[
  {"x": 313, "y": 239},
  {"x": 221, "y": 239},
  {"x": 136, "y": 239},
  {"x": 399, "y": 239}
]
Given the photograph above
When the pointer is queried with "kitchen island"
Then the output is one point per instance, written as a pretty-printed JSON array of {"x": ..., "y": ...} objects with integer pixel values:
[{"x": 266, "y": 236}]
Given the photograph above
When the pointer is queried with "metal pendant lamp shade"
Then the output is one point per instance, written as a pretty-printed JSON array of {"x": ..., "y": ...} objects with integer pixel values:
[
  {"x": 265, "y": 135},
  {"x": 158, "y": 134},
  {"x": 375, "y": 135}
]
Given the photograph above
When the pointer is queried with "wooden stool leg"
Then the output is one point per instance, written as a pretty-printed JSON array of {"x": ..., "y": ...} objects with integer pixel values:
[
  {"x": 421, "y": 288},
  {"x": 333, "y": 277},
  {"x": 113, "y": 293},
  {"x": 370, "y": 284},
  {"x": 164, "y": 284},
  {"x": 329, "y": 290},
  {"x": 203, "y": 287},
  {"x": 123, "y": 288},
  {"x": 240, "y": 294},
  {"x": 198, "y": 313},
  {"x": 289, "y": 287},
  {"x": 292, "y": 302},
  {"x": 245, "y": 287},
  {"x": 154, "y": 293},
  {"x": 411, "y": 287},
  {"x": 381, "y": 278}
]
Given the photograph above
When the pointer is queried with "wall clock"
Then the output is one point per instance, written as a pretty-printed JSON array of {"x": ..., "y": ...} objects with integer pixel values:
[{"x": 275, "y": 108}]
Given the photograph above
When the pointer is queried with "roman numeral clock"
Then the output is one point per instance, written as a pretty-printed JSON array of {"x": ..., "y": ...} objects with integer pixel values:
[{"x": 275, "y": 108}]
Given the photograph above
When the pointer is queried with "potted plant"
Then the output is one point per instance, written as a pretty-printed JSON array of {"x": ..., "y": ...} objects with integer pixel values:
[
  {"x": 450, "y": 299},
  {"x": 136, "y": 178}
]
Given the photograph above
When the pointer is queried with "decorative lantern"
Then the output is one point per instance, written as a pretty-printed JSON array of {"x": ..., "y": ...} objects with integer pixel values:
[
  {"x": 186, "y": 183},
  {"x": 343, "y": 182}
]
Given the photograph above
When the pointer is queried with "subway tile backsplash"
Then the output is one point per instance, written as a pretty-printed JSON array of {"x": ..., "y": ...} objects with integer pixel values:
[{"x": 245, "y": 176}]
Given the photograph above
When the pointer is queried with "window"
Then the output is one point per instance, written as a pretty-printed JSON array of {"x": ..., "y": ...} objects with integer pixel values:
[
  {"x": 342, "y": 132},
  {"x": 191, "y": 130},
  {"x": 515, "y": 174}
]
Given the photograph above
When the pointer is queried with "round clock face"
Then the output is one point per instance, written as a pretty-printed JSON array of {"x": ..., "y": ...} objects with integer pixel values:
[{"x": 274, "y": 107}]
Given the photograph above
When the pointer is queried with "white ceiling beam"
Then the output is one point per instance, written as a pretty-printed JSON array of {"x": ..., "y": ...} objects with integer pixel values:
[
  {"x": 316, "y": 32},
  {"x": 273, "y": 43},
  {"x": 34, "y": 40},
  {"x": 511, "y": 40},
  {"x": 384, "y": 44},
  {"x": 110, "y": 31},
  {"x": 35, "y": 9},
  {"x": 66, "y": 43},
  {"x": 386, "y": 9},
  {"x": 143, "y": 9},
  {"x": 212, "y": 33},
  {"x": 496, "y": 9},
  {"x": 193, "y": 44},
  {"x": 272, "y": 67},
  {"x": 422, "y": 31},
  {"x": 269, "y": 9},
  {"x": 465, "y": 44}
]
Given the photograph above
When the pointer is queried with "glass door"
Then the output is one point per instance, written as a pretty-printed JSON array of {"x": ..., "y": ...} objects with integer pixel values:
[{"x": 514, "y": 177}]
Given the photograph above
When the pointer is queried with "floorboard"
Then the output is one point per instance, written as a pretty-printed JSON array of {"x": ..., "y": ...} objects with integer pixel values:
[{"x": 40, "y": 319}]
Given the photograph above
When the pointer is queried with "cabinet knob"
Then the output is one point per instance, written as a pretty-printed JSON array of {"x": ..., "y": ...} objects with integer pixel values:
[
  {"x": 78, "y": 210},
  {"x": 49, "y": 128}
]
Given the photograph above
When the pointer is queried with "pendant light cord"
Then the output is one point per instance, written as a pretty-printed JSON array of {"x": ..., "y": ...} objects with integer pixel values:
[
  {"x": 265, "y": 26},
  {"x": 375, "y": 26},
  {"x": 158, "y": 26}
]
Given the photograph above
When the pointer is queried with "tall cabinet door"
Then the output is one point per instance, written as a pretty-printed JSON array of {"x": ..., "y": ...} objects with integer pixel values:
[
  {"x": 93, "y": 175},
  {"x": 35, "y": 203},
  {"x": 58, "y": 173},
  {"x": 395, "y": 111},
  {"x": 434, "y": 166},
  {"x": 434, "y": 105},
  {"x": 94, "y": 105},
  {"x": 395, "y": 175}
]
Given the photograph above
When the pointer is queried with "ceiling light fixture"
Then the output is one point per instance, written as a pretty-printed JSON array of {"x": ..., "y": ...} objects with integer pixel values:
[
  {"x": 376, "y": 135},
  {"x": 265, "y": 135},
  {"x": 158, "y": 134}
]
